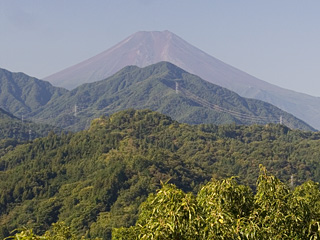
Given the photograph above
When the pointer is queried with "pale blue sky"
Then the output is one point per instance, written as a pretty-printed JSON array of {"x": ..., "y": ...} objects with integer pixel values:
[{"x": 277, "y": 41}]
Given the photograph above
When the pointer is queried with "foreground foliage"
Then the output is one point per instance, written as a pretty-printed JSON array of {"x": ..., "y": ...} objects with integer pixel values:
[
  {"x": 226, "y": 210},
  {"x": 222, "y": 209}
]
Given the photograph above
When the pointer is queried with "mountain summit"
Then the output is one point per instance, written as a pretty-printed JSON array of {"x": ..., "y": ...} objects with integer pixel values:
[
  {"x": 140, "y": 49},
  {"x": 145, "y": 48}
]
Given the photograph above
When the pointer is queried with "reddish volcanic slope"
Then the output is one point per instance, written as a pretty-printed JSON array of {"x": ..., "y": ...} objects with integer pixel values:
[{"x": 145, "y": 48}]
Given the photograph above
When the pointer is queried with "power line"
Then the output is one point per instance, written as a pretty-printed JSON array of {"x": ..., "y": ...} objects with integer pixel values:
[{"x": 216, "y": 107}]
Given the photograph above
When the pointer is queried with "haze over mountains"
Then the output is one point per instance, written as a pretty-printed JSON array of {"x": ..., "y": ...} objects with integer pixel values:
[
  {"x": 13, "y": 130},
  {"x": 145, "y": 48}
]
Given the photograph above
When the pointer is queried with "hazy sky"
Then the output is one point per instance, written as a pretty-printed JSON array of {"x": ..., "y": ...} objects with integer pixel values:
[{"x": 277, "y": 41}]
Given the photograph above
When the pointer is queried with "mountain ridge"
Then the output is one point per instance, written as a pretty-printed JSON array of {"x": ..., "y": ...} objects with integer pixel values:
[
  {"x": 161, "y": 87},
  {"x": 195, "y": 101}
]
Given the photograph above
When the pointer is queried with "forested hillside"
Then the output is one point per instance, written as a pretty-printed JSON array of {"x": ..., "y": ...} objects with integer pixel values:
[
  {"x": 165, "y": 88},
  {"x": 96, "y": 179},
  {"x": 21, "y": 94}
]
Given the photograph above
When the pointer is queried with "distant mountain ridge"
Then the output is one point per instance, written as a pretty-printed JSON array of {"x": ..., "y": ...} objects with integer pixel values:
[
  {"x": 145, "y": 48},
  {"x": 161, "y": 87}
]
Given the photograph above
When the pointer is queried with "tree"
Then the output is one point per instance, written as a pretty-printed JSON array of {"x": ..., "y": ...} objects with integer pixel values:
[
  {"x": 226, "y": 210},
  {"x": 169, "y": 214}
]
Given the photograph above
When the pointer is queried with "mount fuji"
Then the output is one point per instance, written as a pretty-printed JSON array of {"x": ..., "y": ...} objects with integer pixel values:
[{"x": 146, "y": 48}]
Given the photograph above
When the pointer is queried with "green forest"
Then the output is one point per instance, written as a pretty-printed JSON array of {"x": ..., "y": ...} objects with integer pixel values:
[{"x": 105, "y": 182}]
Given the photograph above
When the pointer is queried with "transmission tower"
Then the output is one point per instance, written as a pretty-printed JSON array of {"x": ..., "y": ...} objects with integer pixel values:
[
  {"x": 75, "y": 110},
  {"x": 291, "y": 181}
]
